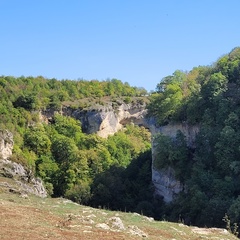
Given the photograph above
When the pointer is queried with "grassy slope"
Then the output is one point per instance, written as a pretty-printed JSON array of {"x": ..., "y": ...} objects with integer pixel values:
[{"x": 30, "y": 217}]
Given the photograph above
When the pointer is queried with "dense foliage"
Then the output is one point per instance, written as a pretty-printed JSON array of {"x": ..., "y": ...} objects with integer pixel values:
[
  {"x": 207, "y": 97},
  {"x": 72, "y": 163},
  {"x": 116, "y": 172}
]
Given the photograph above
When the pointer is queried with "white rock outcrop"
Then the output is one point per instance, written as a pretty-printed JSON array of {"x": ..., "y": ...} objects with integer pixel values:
[
  {"x": 23, "y": 179},
  {"x": 106, "y": 121},
  {"x": 166, "y": 185},
  {"x": 6, "y": 144},
  {"x": 26, "y": 183},
  {"x": 170, "y": 130}
]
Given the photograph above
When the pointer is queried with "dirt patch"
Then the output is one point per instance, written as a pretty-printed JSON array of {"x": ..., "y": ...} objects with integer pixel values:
[{"x": 208, "y": 231}]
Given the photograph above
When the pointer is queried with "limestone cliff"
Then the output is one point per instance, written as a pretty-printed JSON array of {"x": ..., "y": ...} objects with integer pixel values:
[
  {"x": 22, "y": 180},
  {"x": 190, "y": 131},
  {"x": 166, "y": 185},
  {"x": 107, "y": 120},
  {"x": 104, "y": 120},
  {"x": 6, "y": 144}
]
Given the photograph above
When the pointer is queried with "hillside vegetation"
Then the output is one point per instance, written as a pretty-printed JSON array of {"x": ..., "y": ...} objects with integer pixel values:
[
  {"x": 113, "y": 172},
  {"x": 210, "y": 170}
]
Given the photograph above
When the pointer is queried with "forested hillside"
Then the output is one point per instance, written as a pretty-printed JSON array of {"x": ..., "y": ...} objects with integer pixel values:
[
  {"x": 208, "y": 97},
  {"x": 113, "y": 172}
]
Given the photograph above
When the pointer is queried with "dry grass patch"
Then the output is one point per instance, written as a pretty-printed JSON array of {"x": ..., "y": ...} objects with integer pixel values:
[{"x": 37, "y": 218}]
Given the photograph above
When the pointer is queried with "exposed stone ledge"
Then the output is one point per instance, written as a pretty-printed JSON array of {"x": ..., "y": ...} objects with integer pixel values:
[
  {"x": 23, "y": 179},
  {"x": 170, "y": 130},
  {"x": 104, "y": 120},
  {"x": 166, "y": 184}
]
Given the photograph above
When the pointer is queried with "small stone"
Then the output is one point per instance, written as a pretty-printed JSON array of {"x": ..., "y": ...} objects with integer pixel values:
[
  {"x": 103, "y": 226},
  {"x": 134, "y": 230}
]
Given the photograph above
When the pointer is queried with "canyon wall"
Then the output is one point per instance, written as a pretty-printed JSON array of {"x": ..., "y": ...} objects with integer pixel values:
[
  {"x": 107, "y": 120},
  {"x": 165, "y": 183}
]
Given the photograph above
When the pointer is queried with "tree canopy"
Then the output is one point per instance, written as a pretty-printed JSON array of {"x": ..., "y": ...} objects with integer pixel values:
[
  {"x": 209, "y": 98},
  {"x": 116, "y": 172},
  {"x": 68, "y": 160}
]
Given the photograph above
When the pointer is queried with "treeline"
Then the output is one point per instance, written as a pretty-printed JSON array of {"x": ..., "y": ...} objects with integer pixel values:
[
  {"x": 33, "y": 93},
  {"x": 21, "y": 98},
  {"x": 210, "y": 170},
  {"x": 112, "y": 173}
]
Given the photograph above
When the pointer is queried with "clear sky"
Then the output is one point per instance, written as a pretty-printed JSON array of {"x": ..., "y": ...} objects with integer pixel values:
[{"x": 136, "y": 41}]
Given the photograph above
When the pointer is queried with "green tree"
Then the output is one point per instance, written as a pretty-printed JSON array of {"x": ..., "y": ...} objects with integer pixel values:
[
  {"x": 29, "y": 102},
  {"x": 67, "y": 126},
  {"x": 37, "y": 140},
  {"x": 47, "y": 168},
  {"x": 64, "y": 150},
  {"x": 166, "y": 103}
]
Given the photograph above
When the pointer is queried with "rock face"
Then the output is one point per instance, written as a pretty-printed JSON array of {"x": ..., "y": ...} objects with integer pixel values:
[
  {"x": 103, "y": 120},
  {"x": 166, "y": 185},
  {"x": 171, "y": 130},
  {"x": 108, "y": 121},
  {"x": 6, "y": 144},
  {"x": 24, "y": 181}
]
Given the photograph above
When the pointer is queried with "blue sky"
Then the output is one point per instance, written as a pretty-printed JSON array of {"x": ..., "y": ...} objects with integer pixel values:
[{"x": 136, "y": 41}]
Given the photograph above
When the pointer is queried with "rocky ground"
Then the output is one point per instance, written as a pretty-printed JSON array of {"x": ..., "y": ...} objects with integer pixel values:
[{"x": 25, "y": 216}]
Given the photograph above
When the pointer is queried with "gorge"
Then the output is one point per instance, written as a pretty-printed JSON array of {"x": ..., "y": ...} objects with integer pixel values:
[{"x": 107, "y": 120}]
